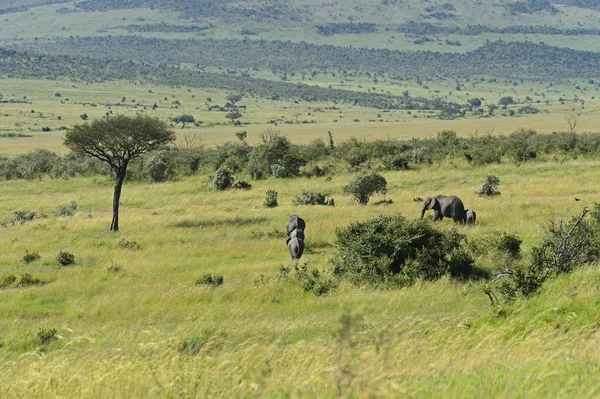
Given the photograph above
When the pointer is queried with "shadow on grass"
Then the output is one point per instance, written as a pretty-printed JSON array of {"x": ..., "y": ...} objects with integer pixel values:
[{"x": 200, "y": 224}]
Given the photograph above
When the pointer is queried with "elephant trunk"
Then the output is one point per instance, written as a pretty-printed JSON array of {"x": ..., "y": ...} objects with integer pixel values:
[{"x": 423, "y": 212}]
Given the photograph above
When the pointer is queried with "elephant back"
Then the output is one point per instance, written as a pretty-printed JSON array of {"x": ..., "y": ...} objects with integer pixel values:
[
  {"x": 297, "y": 233},
  {"x": 296, "y": 247},
  {"x": 294, "y": 222}
]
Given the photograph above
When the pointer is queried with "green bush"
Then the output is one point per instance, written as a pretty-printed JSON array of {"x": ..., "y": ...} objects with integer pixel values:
[
  {"x": 271, "y": 199},
  {"x": 364, "y": 185},
  {"x": 392, "y": 249},
  {"x": 30, "y": 257},
  {"x": 567, "y": 246},
  {"x": 209, "y": 279},
  {"x": 313, "y": 198},
  {"x": 160, "y": 165},
  {"x": 312, "y": 281},
  {"x": 66, "y": 210},
  {"x": 44, "y": 337},
  {"x": 134, "y": 245},
  {"x": 65, "y": 258},
  {"x": 223, "y": 179},
  {"x": 489, "y": 188}
]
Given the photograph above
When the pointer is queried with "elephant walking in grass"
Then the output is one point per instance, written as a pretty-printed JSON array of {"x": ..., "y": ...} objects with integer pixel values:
[
  {"x": 294, "y": 222},
  {"x": 295, "y": 230},
  {"x": 445, "y": 206},
  {"x": 470, "y": 216},
  {"x": 296, "y": 247}
]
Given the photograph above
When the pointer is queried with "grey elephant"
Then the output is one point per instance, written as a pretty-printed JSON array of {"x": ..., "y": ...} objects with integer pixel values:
[
  {"x": 445, "y": 206},
  {"x": 296, "y": 247},
  {"x": 470, "y": 216},
  {"x": 296, "y": 233},
  {"x": 294, "y": 222}
]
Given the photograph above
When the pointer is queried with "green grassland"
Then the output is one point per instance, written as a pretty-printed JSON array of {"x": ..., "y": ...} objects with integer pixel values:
[
  {"x": 301, "y": 121},
  {"x": 128, "y": 319}
]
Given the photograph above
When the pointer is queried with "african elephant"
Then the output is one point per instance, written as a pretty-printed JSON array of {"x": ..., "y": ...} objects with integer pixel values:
[
  {"x": 296, "y": 247},
  {"x": 294, "y": 222},
  {"x": 470, "y": 216},
  {"x": 297, "y": 233},
  {"x": 445, "y": 206}
]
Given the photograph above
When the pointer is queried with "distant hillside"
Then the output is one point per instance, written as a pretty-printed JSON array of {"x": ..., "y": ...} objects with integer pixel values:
[
  {"x": 499, "y": 59},
  {"x": 18, "y": 65}
]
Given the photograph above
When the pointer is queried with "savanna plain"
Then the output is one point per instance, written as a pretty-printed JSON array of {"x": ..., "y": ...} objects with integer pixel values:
[{"x": 196, "y": 294}]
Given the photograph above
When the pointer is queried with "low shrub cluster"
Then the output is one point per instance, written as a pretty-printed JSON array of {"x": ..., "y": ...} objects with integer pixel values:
[
  {"x": 65, "y": 258},
  {"x": 209, "y": 279},
  {"x": 277, "y": 157},
  {"x": 397, "y": 251},
  {"x": 20, "y": 281},
  {"x": 313, "y": 198},
  {"x": 567, "y": 246}
]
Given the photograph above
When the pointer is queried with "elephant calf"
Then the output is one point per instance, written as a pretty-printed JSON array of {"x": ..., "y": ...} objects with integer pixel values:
[
  {"x": 295, "y": 230},
  {"x": 471, "y": 216},
  {"x": 296, "y": 247},
  {"x": 445, "y": 206}
]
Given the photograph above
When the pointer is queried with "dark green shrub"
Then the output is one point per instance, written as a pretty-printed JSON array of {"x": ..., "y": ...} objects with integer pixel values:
[
  {"x": 223, "y": 179},
  {"x": 26, "y": 279},
  {"x": 395, "y": 162},
  {"x": 566, "y": 247},
  {"x": 160, "y": 165},
  {"x": 364, "y": 185},
  {"x": 313, "y": 198},
  {"x": 242, "y": 185},
  {"x": 271, "y": 199},
  {"x": 65, "y": 258},
  {"x": 66, "y": 210},
  {"x": 393, "y": 249},
  {"x": 312, "y": 281},
  {"x": 489, "y": 188},
  {"x": 22, "y": 217},
  {"x": 209, "y": 279},
  {"x": 30, "y": 257},
  {"x": 134, "y": 245},
  {"x": 44, "y": 337},
  {"x": 7, "y": 280}
]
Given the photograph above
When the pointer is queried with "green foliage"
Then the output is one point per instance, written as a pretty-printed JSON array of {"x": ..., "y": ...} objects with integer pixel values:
[
  {"x": 392, "y": 249},
  {"x": 364, "y": 185},
  {"x": 21, "y": 281},
  {"x": 22, "y": 217},
  {"x": 125, "y": 244},
  {"x": 223, "y": 178},
  {"x": 489, "y": 188},
  {"x": 192, "y": 346},
  {"x": 271, "y": 199},
  {"x": 184, "y": 118},
  {"x": 209, "y": 279},
  {"x": 161, "y": 165},
  {"x": 66, "y": 210},
  {"x": 65, "y": 258},
  {"x": 567, "y": 246},
  {"x": 44, "y": 337},
  {"x": 31, "y": 257},
  {"x": 313, "y": 198},
  {"x": 311, "y": 280}
]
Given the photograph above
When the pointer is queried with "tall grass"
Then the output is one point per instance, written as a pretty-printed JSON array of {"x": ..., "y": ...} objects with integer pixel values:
[{"x": 122, "y": 316}]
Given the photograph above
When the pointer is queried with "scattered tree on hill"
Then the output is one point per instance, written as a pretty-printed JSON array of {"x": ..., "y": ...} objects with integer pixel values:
[
  {"x": 183, "y": 119},
  {"x": 117, "y": 141},
  {"x": 234, "y": 116},
  {"x": 506, "y": 101},
  {"x": 233, "y": 98},
  {"x": 572, "y": 121}
]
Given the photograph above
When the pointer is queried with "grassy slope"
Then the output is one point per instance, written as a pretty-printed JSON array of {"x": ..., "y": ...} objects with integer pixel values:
[{"x": 265, "y": 336}]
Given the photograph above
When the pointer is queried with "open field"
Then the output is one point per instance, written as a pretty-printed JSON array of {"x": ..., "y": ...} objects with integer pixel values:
[
  {"x": 123, "y": 315},
  {"x": 42, "y": 107}
]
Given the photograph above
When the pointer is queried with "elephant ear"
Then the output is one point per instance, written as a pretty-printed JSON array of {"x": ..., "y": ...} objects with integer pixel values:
[{"x": 431, "y": 202}]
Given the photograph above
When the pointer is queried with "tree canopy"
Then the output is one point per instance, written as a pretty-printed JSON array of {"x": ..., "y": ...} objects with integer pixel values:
[{"x": 117, "y": 141}]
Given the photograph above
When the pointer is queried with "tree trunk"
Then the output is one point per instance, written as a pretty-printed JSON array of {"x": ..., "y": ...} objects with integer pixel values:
[{"x": 114, "y": 226}]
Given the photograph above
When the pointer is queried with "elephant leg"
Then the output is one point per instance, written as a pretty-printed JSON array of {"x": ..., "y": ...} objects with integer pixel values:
[{"x": 437, "y": 215}]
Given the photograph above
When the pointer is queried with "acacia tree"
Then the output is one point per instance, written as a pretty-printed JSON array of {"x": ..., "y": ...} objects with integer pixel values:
[{"x": 117, "y": 141}]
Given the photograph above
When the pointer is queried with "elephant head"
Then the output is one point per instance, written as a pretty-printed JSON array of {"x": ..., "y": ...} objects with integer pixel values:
[{"x": 430, "y": 203}]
